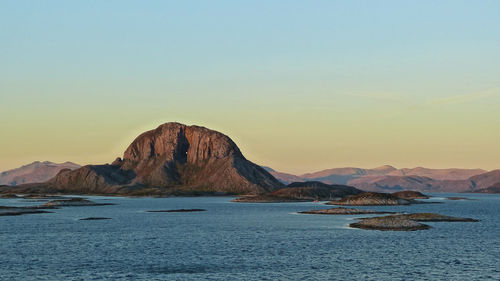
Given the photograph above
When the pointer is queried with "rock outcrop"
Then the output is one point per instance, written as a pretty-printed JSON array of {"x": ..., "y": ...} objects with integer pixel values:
[{"x": 169, "y": 158}]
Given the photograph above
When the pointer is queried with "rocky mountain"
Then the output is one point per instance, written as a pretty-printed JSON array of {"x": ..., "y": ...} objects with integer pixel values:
[
  {"x": 171, "y": 158},
  {"x": 34, "y": 172}
]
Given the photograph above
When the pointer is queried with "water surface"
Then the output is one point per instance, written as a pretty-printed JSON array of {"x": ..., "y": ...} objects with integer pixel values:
[{"x": 245, "y": 241}]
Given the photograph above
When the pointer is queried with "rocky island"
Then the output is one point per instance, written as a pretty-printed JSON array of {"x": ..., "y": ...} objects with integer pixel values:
[
  {"x": 94, "y": 219},
  {"x": 371, "y": 199},
  {"x": 73, "y": 202},
  {"x": 177, "y": 211},
  {"x": 342, "y": 211},
  {"x": 405, "y": 222},
  {"x": 16, "y": 211},
  {"x": 9, "y": 196},
  {"x": 302, "y": 192},
  {"x": 389, "y": 223},
  {"x": 410, "y": 194}
]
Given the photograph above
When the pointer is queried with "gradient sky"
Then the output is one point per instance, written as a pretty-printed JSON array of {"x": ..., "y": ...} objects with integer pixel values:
[{"x": 299, "y": 85}]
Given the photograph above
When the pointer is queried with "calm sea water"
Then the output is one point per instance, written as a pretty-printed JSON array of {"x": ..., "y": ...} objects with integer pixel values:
[{"x": 236, "y": 241}]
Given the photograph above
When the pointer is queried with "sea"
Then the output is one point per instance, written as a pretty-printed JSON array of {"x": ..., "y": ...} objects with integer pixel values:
[{"x": 246, "y": 241}]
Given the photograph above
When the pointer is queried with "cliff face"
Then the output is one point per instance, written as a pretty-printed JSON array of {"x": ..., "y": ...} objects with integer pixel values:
[{"x": 173, "y": 156}]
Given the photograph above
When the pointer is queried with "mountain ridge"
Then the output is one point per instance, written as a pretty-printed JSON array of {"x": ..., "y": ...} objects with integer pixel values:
[{"x": 389, "y": 179}]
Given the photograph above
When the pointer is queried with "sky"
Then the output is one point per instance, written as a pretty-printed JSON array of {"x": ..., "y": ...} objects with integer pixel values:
[{"x": 300, "y": 86}]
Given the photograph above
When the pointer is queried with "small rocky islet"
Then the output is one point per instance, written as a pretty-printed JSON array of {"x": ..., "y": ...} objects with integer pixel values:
[
  {"x": 94, "y": 218},
  {"x": 41, "y": 209},
  {"x": 17, "y": 211},
  {"x": 393, "y": 223},
  {"x": 176, "y": 211},
  {"x": 73, "y": 202},
  {"x": 9, "y": 196},
  {"x": 410, "y": 194},
  {"x": 380, "y": 199},
  {"x": 343, "y": 211},
  {"x": 405, "y": 222}
]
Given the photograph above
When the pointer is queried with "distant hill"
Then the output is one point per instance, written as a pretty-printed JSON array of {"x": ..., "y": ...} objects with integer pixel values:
[
  {"x": 344, "y": 175},
  {"x": 389, "y": 179},
  {"x": 34, "y": 172},
  {"x": 438, "y": 174}
]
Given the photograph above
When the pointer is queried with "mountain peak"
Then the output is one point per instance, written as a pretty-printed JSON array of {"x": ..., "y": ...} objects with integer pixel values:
[{"x": 173, "y": 156}]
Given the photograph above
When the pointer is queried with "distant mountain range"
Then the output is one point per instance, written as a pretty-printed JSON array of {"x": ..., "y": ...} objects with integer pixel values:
[
  {"x": 179, "y": 158},
  {"x": 389, "y": 179},
  {"x": 34, "y": 172}
]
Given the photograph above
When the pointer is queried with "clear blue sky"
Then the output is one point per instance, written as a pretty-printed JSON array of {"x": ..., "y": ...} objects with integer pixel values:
[{"x": 299, "y": 85}]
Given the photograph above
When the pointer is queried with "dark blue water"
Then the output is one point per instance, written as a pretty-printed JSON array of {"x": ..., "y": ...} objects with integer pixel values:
[{"x": 237, "y": 241}]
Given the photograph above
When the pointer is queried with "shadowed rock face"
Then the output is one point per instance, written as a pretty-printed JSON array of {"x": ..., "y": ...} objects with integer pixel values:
[
  {"x": 172, "y": 156},
  {"x": 92, "y": 179}
]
